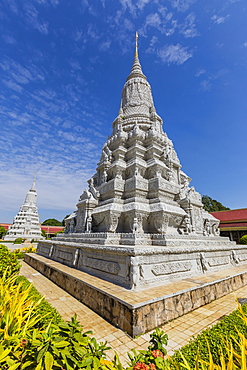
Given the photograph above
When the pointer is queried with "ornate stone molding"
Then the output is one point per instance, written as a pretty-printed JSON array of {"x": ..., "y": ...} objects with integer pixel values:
[
  {"x": 171, "y": 268},
  {"x": 103, "y": 265}
]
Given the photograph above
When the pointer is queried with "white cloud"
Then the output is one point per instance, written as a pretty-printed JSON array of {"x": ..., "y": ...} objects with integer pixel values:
[
  {"x": 127, "y": 4},
  {"x": 12, "y": 85},
  {"x": 142, "y": 3},
  {"x": 188, "y": 28},
  {"x": 31, "y": 16},
  {"x": 153, "y": 42},
  {"x": 104, "y": 46},
  {"x": 9, "y": 39},
  {"x": 218, "y": 19},
  {"x": 182, "y": 5},
  {"x": 200, "y": 72},
  {"x": 208, "y": 83},
  {"x": 75, "y": 65},
  {"x": 153, "y": 20},
  {"x": 245, "y": 44},
  {"x": 176, "y": 54}
]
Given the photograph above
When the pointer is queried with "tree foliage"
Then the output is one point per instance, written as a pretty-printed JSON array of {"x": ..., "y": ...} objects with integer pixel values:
[
  {"x": 212, "y": 205},
  {"x": 63, "y": 222},
  {"x": 52, "y": 222},
  {"x": 2, "y": 231},
  {"x": 9, "y": 263},
  {"x": 243, "y": 239}
]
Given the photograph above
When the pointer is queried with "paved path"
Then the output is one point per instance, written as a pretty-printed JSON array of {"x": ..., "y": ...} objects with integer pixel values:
[{"x": 179, "y": 330}]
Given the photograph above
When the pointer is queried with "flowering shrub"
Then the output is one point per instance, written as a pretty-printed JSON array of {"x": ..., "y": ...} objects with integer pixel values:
[
  {"x": 9, "y": 264},
  {"x": 27, "y": 342},
  {"x": 157, "y": 353},
  {"x": 154, "y": 357},
  {"x": 20, "y": 253}
]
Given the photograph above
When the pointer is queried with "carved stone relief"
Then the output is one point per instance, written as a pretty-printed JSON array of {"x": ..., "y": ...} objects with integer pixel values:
[
  {"x": 218, "y": 261},
  {"x": 171, "y": 268},
  {"x": 103, "y": 265}
]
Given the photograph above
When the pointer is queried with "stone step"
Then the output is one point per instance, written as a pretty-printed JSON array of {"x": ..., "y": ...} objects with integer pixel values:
[{"x": 138, "y": 312}]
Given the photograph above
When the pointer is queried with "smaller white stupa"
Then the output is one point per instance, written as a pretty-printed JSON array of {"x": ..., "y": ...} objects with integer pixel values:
[{"x": 26, "y": 223}]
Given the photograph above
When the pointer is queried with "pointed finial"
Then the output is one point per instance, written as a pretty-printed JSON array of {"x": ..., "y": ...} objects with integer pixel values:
[
  {"x": 136, "y": 53},
  {"x": 34, "y": 181}
]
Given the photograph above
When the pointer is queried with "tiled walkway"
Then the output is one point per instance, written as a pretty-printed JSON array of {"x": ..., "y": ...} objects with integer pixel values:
[{"x": 179, "y": 330}]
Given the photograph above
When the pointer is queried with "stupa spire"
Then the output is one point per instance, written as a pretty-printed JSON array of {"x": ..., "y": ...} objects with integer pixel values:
[
  {"x": 136, "y": 70},
  {"x": 33, "y": 188},
  {"x": 137, "y": 97},
  {"x": 136, "y": 53}
]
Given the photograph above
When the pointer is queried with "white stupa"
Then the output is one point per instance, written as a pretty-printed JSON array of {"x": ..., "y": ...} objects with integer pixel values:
[{"x": 26, "y": 223}]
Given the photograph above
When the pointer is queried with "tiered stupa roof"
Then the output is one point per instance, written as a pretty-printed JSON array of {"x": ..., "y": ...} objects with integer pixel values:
[{"x": 26, "y": 223}]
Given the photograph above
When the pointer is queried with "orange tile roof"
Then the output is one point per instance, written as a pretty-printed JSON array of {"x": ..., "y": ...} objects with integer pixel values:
[
  {"x": 49, "y": 229},
  {"x": 232, "y": 215}
]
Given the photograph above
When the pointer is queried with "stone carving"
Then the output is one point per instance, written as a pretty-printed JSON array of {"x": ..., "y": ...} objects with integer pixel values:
[
  {"x": 202, "y": 262},
  {"x": 51, "y": 251},
  {"x": 106, "y": 154},
  {"x": 104, "y": 176},
  {"x": 67, "y": 256},
  {"x": 217, "y": 261},
  {"x": 102, "y": 265},
  {"x": 171, "y": 268},
  {"x": 92, "y": 189},
  {"x": 89, "y": 224},
  {"x": 234, "y": 258},
  {"x": 111, "y": 222},
  {"x": 76, "y": 257},
  {"x": 187, "y": 225},
  {"x": 206, "y": 228},
  {"x": 161, "y": 222},
  {"x": 72, "y": 225},
  {"x": 215, "y": 230},
  {"x": 242, "y": 257},
  {"x": 135, "y": 225},
  {"x": 134, "y": 271}
]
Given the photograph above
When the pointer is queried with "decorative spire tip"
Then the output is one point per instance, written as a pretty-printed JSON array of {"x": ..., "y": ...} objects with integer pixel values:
[{"x": 136, "y": 52}]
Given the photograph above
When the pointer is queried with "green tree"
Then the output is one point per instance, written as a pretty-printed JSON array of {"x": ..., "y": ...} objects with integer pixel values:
[
  {"x": 52, "y": 222},
  {"x": 212, "y": 205},
  {"x": 63, "y": 222},
  {"x": 43, "y": 233},
  {"x": 2, "y": 232}
]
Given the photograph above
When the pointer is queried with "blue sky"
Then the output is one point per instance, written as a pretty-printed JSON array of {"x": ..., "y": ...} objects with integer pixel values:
[{"x": 62, "y": 68}]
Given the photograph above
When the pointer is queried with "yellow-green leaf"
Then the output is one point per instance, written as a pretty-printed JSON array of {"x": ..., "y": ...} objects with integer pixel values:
[
  {"x": 62, "y": 343},
  {"x": 4, "y": 354},
  {"x": 49, "y": 360}
]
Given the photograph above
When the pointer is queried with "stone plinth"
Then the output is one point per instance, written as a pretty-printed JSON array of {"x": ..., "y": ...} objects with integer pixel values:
[
  {"x": 142, "y": 265},
  {"x": 135, "y": 312}
]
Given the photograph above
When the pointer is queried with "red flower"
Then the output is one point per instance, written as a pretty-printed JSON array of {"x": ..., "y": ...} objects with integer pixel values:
[
  {"x": 140, "y": 366},
  {"x": 157, "y": 353},
  {"x": 23, "y": 342},
  {"x": 152, "y": 366}
]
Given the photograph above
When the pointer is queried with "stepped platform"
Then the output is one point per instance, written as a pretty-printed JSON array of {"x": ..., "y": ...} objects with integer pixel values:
[{"x": 137, "y": 312}]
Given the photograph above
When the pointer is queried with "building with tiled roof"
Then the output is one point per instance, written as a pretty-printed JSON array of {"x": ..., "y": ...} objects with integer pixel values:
[
  {"x": 233, "y": 223},
  {"x": 49, "y": 230}
]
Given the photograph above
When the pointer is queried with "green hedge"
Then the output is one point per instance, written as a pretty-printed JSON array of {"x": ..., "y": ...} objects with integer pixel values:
[
  {"x": 9, "y": 264},
  {"x": 45, "y": 309},
  {"x": 227, "y": 328},
  {"x": 243, "y": 239}
]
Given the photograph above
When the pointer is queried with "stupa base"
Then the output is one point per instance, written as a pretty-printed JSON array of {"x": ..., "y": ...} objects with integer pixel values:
[
  {"x": 137, "y": 312},
  {"x": 162, "y": 259}
]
